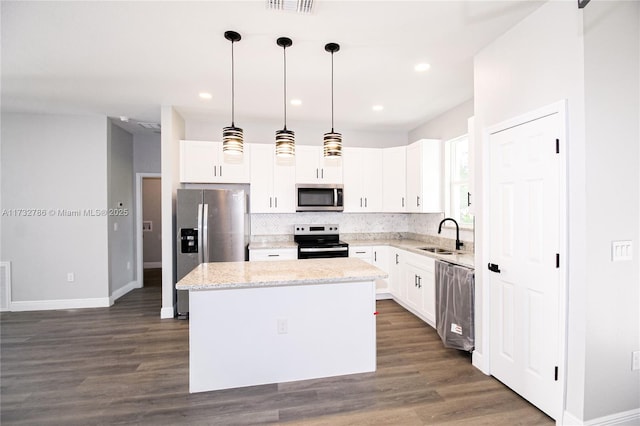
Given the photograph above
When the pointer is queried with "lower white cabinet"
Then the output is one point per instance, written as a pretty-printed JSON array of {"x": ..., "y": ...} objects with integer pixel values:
[
  {"x": 411, "y": 282},
  {"x": 379, "y": 257},
  {"x": 419, "y": 293},
  {"x": 273, "y": 254}
]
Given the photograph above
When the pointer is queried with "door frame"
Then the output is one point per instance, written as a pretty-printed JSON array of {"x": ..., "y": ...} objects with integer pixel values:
[
  {"x": 139, "y": 242},
  {"x": 559, "y": 108}
]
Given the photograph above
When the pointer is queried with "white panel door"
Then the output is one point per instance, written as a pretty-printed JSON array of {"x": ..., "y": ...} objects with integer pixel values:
[{"x": 524, "y": 239}]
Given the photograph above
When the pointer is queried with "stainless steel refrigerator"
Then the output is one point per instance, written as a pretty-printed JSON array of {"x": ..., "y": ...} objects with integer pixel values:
[{"x": 213, "y": 226}]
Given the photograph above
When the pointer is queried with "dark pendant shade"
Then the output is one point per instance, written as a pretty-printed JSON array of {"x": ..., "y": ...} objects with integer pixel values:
[
  {"x": 333, "y": 144},
  {"x": 232, "y": 140},
  {"x": 285, "y": 143},
  {"x": 232, "y": 136},
  {"x": 332, "y": 140}
]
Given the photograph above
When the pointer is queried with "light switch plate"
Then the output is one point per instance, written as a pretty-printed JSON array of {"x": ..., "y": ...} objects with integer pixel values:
[{"x": 621, "y": 250}]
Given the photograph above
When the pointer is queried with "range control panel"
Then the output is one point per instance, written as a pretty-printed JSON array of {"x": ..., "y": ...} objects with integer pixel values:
[{"x": 315, "y": 230}]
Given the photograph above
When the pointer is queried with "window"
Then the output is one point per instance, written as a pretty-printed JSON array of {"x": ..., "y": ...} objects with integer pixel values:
[{"x": 456, "y": 152}]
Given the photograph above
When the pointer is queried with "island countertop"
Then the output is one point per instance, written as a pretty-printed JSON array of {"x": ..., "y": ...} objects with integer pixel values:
[{"x": 235, "y": 275}]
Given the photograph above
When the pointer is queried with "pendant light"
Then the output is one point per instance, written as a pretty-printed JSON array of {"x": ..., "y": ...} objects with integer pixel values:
[
  {"x": 232, "y": 136},
  {"x": 332, "y": 140},
  {"x": 285, "y": 139}
]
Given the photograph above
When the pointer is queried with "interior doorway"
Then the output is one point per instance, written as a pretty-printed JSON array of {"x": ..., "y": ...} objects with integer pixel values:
[
  {"x": 526, "y": 276},
  {"x": 149, "y": 228}
]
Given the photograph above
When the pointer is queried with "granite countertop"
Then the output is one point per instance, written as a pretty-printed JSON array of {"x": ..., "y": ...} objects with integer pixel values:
[
  {"x": 461, "y": 258},
  {"x": 235, "y": 275}
]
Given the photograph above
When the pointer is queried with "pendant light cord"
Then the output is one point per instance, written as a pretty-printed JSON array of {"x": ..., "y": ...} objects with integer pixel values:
[
  {"x": 233, "y": 91},
  {"x": 331, "y": 92},
  {"x": 284, "y": 49}
]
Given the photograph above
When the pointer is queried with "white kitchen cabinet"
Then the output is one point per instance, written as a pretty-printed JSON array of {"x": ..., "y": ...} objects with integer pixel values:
[
  {"x": 395, "y": 260},
  {"x": 418, "y": 278},
  {"x": 313, "y": 167},
  {"x": 394, "y": 179},
  {"x": 381, "y": 260},
  {"x": 424, "y": 176},
  {"x": 272, "y": 254},
  {"x": 272, "y": 181},
  {"x": 379, "y": 257},
  {"x": 362, "y": 169},
  {"x": 204, "y": 162}
]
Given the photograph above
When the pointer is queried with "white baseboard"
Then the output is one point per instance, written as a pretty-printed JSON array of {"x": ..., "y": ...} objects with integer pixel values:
[
  {"x": 122, "y": 291},
  {"x": 383, "y": 296},
  {"x": 477, "y": 360},
  {"x": 625, "y": 418},
  {"x": 48, "y": 305},
  {"x": 152, "y": 265},
  {"x": 166, "y": 313}
]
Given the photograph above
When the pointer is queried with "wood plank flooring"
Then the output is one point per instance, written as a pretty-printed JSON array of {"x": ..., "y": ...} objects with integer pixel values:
[{"x": 123, "y": 365}]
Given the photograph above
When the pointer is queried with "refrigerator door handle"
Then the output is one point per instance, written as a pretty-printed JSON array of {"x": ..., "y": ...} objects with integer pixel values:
[
  {"x": 200, "y": 235},
  {"x": 205, "y": 233}
]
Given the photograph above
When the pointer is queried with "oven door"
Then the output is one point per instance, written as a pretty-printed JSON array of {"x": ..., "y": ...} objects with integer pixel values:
[{"x": 318, "y": 252}]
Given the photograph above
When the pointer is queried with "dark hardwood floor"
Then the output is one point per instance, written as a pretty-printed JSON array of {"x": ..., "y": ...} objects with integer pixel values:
[{"x": 123, "y": 365}]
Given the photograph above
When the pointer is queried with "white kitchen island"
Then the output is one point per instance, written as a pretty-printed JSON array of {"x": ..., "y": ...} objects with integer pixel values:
[{"x": 253, "y": 323}]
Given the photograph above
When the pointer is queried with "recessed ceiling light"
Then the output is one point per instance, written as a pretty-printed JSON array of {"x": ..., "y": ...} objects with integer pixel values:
[
  {"x": 205, "y": 95},
  {"x": 124, "y": 118},
  {"x": 422, "y": 67},
  {"x": 377, "y": 107},
  {"x": 296, "y": 102}
]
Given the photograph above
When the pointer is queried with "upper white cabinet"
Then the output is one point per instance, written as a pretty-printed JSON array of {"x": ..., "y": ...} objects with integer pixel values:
[
  {"x": 204, "y": 162},
  {"x": 272, "y": 181},
  {"x": 313, "y": 167},
  {"x": 424, "y": 176},
  {"x": 394, "y": 179},
  {"x": 362, "y": 179}
]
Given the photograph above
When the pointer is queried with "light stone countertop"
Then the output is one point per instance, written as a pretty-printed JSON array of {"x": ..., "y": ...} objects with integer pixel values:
[
  {"x": 459, "y": 257},
  {"x": 236, "y": 275}
]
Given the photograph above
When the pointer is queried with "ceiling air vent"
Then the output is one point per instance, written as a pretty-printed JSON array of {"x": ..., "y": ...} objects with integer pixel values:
[
  {"x": 300, "y": 6},
  {"x": 152, "y": 126}
]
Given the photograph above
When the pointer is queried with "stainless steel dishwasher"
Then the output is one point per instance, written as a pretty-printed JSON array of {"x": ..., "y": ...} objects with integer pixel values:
[{"x": 455, "y": 288}]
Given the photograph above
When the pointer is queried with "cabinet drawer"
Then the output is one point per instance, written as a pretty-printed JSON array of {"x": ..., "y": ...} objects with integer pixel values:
[
  {"x": 273, "y": 254},
  {"x": 360, "y": 252}
]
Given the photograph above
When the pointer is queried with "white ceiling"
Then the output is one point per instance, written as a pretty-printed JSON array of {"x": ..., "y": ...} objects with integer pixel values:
[{"x": 128, "y": 58}]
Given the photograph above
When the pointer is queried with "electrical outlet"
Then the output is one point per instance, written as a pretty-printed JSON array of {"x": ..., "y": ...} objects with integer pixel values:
[
  {"x": 635, "y": 360},
  {"x": 128, "y": 266},
  {"x": 115, "y": 226},
  {"x": 283, "y": 326},
  {"x": 71, "y": 277}
]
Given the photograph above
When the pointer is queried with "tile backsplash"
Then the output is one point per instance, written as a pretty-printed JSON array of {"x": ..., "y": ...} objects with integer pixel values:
[{"x": 281, "y": 226}]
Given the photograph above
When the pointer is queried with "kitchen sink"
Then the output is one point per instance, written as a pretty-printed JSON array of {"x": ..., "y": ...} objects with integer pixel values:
[{"x": 436, "y": 250}]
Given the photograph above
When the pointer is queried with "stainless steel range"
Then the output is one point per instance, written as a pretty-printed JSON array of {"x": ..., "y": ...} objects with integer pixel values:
[{"x": 319, "y": 241}]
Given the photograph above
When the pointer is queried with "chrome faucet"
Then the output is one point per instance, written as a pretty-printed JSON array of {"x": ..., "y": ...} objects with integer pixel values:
[{"x": 458, "y": 242}]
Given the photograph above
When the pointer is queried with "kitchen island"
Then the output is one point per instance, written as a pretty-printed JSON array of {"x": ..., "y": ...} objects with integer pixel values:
[{"x": 253, "y": 323}]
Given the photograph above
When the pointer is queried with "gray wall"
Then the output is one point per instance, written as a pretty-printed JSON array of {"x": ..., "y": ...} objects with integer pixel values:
[
  {"x": 612, "y": 108},
  {"x": 151, "y": 209},
  {"x": 121, "y": 227},
  {"x": 448, "y": 125},
  {"x": 55, "y": 162},
  {"x": 146, "y": 153},
  {"x": 544, "y": 59}
]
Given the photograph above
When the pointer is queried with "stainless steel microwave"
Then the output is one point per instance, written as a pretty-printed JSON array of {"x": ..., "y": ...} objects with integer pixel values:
[{"x": 319, "y": 198}]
